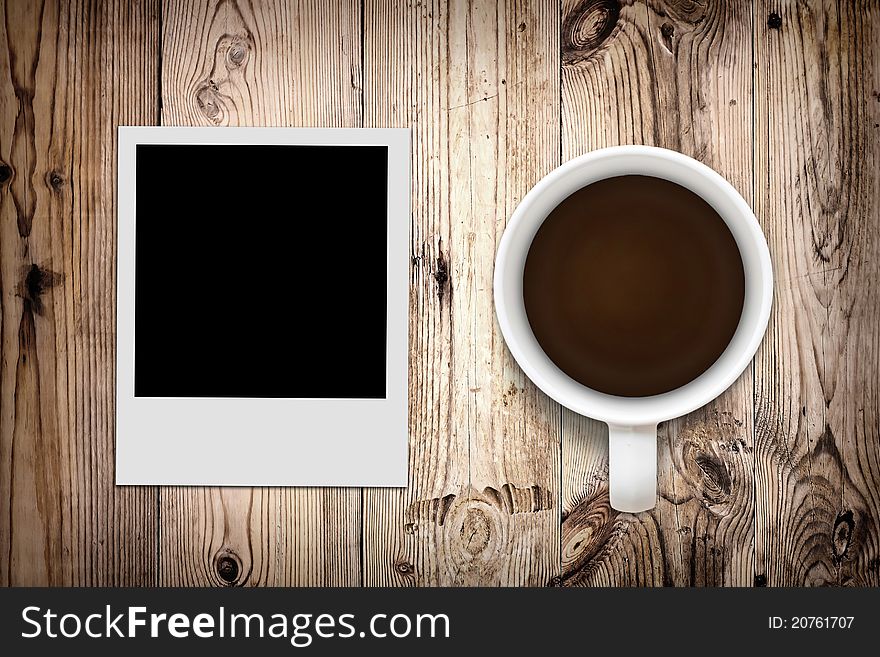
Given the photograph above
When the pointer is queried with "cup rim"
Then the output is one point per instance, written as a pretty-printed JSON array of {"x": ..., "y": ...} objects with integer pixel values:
[{"x": 633, "y": 411}]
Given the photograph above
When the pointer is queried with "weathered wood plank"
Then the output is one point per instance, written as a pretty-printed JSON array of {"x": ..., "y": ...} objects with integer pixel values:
[
  {"x": 676, "y": 75},
  {"x": 478, "y": 83},
  {"x": 267, "y": 63},
  {"x": 817, "y": 399},
  {"x": 70, "y": 72}
]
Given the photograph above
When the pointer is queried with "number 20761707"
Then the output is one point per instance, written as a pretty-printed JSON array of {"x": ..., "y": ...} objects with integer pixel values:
[{"x": 810, "y": 622}]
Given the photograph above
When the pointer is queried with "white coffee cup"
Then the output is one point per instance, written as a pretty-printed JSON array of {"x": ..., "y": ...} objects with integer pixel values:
[{"x": 632, "y": 421}]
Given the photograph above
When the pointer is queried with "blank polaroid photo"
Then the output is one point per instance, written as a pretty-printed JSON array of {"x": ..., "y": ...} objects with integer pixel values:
[{"x": 262, "y": 306}]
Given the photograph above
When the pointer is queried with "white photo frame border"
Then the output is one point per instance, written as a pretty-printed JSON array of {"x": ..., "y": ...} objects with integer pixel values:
[{"x": 265, "y": 442}]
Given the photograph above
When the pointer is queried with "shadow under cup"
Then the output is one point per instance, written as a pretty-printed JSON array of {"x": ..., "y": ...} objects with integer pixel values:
[{"x": 633, "y": 419}]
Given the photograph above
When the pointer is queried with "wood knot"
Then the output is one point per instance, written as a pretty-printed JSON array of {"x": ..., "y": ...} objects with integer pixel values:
[
  {"x": 5, "y": 172},
  {"x": 706, "y": 463},
  {"x": 586, "y": 27},
  {"x": 228, "y": 567},
  {"x": 716, "y": 479},
  {"x": 667, "y": 31},
  {"x": 760, "y": 580},
  {"x": 508, "y": 499},
  {"x": 476, "y": 530},
  {"x": 441, "y": 276},
  {"x": 209, "y": 102},
  {"x": 236, "y": 55},
  {"x": 36, "y": 282},
  {"x": 403, "y": 567},
  {"x": 774, "y": 21},
  {"x": 842, "y": 535},
  {"x": 588, "y": 532},
  {"x": 55, "y": 180}
]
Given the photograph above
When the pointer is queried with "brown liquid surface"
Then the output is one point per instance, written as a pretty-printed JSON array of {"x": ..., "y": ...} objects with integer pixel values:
[{"x": 633, "y": 286}]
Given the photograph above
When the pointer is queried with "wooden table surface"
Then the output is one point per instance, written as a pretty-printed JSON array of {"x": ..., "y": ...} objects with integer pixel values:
[{"x": 775, "y": 483}]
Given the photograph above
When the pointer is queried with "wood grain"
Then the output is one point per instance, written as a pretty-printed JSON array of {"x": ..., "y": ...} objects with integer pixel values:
[
  {"x": 478, "y": 83},
  {"x": 776, "y": 483},
  {"x": 676, "y": 75},
  {"x": 70, "y": 72},
  {"x": 817, "y": 129},
  {"x": 282, "y": 64}
]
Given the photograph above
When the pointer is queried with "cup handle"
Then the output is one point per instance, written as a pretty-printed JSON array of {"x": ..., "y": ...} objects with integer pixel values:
[{"x": 632, "y": 467}]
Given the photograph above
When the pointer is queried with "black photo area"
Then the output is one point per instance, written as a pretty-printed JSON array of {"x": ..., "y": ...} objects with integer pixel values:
[{"x": 260, "y": 271}]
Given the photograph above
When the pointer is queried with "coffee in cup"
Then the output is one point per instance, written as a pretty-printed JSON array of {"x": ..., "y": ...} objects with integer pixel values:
[{"x": 633, "y": 286}]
